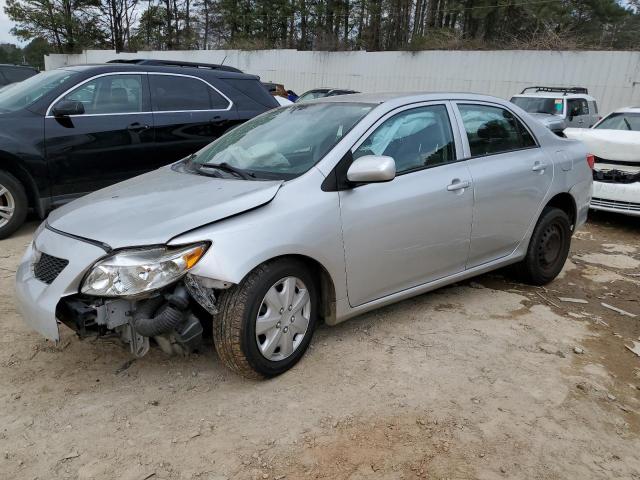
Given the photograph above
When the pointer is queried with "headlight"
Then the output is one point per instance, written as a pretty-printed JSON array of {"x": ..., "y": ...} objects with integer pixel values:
[{"x": 131, "y": 272}]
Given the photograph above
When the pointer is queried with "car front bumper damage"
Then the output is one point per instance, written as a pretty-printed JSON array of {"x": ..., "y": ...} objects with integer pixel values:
[
  {"x": 48, "y": 283},
  {"x": 616, "y": 187}
]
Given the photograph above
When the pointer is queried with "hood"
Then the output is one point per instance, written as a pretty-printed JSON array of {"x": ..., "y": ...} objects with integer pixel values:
[
  {"x": 617, "y": 145},
  {"x": 552, "y": 122},
  {"x": 157, "y": 206}
]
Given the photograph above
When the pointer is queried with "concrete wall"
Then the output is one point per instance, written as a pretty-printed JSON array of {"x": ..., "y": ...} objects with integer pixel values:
[{"x": 612, "y": 77}]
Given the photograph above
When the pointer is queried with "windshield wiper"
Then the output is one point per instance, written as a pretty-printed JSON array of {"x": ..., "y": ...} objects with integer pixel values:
[{"x": 225, "y": 167}]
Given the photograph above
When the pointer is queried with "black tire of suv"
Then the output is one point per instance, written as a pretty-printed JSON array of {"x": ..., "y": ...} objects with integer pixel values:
[
  {"x": 19, "y": 195},
  {"x": 553, "y": 228},
  {"x": 234, "y": 325}
]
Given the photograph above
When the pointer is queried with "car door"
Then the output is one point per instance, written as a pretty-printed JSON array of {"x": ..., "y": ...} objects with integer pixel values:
[
  {"x": 188, "y": 113},
  {"x": 416, "y": 228},
  {"x": 511, "y": 175},
  {"x": 578, "y": 115},
  {"x": 111, "y": 141}
]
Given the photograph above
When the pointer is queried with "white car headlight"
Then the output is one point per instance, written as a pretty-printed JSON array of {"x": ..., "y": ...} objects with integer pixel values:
[{"x": 131, "y": 272}]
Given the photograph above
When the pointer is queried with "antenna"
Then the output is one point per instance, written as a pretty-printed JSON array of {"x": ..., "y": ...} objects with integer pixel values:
[{"x": 222, "y": 62}]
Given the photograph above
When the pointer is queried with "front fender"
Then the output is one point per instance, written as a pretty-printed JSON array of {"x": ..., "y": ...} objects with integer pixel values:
[{"x": 300, "y": 220}]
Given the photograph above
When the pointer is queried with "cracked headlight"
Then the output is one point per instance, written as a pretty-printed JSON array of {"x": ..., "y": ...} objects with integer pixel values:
[{"x": 132, "y": 272}]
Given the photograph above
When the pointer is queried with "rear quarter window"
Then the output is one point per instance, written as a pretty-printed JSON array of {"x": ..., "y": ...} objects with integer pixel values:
[{"x": 251, "y": 89}]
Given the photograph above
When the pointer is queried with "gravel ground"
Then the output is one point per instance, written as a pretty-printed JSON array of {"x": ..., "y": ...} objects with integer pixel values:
[{"x": 484, "y": 379}]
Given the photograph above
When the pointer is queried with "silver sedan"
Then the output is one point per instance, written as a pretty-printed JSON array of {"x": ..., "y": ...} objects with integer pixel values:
[{"x": 317, "y": 211}]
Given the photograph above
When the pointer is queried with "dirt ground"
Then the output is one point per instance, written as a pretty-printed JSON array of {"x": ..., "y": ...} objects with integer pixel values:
[{"x": 485, "y": 379}]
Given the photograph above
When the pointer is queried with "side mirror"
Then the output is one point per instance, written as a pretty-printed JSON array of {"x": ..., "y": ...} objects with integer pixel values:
[
  {"x": 65, "y": 108},
  {"x": 372, "y": 169}
]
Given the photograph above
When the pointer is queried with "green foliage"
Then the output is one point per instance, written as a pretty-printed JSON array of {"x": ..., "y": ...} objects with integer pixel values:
[{"x": 71, "y": 25}]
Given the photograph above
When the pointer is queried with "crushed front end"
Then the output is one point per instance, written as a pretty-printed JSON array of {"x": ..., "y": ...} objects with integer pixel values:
[
  {"x": 616, "y": 186},
  {"x": 136, "y": 295}
]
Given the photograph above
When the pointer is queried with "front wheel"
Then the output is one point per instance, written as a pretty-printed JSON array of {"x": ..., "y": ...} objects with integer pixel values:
[
  {"x": 266, "y": 322},
  {"x": 13, "y": 204},
  {"x": 548, "y": 248}
]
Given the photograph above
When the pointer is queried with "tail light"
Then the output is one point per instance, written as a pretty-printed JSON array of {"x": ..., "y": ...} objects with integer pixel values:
[{"x": 591, "y": 160}]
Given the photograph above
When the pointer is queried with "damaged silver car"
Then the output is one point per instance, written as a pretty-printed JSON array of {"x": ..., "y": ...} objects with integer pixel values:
[{"x": 315, "y": 212}]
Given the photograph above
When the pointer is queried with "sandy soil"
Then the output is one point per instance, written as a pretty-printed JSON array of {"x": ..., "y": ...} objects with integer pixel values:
[{"x": 485, "y": 379}]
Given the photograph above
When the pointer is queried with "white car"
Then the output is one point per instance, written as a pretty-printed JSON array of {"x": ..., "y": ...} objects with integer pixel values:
[{"x": 615, "y": 144}]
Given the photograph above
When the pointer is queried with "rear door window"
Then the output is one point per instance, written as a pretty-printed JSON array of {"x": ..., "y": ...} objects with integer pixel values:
[
  {"x": 172, "y": 93},
  {"x": 492, "y": 130}
]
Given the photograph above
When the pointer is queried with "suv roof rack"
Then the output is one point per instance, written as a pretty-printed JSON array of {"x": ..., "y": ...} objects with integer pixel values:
[
  {"x": 176, "y": 63},
  {"x": 564, "y": 90}
]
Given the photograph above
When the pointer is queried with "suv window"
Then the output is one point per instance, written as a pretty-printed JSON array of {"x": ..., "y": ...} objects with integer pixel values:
[
  {"x": 550, "y": 105},
  {"x": 493, "y": 130},
  {"x": 110, "y": 94},
  {"x": 417, "y": 138},
  {"x": 17, "y": 74},
  {"x": 176, "y": 93},
  {"x": 577, "y": 107}
]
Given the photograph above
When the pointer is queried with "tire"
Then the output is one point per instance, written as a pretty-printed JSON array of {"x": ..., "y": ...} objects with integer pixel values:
[
  {"x": 234, "y": 327},
  {"x": 548, "y": 248},
  {"x": 13, "y": 203}
]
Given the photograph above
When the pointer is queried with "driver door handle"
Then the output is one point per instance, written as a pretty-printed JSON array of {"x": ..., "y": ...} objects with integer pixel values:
[
  {"x": 539, "y": 167},
  {"x": 458, "y": 185},
  {"x": 137, "y": 127}
]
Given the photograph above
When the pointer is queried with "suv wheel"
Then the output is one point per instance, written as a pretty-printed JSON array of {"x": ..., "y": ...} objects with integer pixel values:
[
  {"x": 266, "y": 322},
  {"x": 13, "y": 204},
  {"x": 548, "y": 248}
]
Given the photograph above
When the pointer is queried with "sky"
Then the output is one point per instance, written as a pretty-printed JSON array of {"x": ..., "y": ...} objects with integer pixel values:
[{"x": 5, "y": 27}]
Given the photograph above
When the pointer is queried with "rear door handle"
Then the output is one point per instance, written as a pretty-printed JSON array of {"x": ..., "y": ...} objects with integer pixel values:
[
  {"x": 458, "y": 185},
  {"x": 137, "y": 127},
  {"x": 539, "y": 167}
]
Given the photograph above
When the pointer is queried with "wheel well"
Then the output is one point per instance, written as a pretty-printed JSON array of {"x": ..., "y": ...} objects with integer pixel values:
[
  {"x": 324, "y": 283},
  {"x": 565, "y": 202},
  {"x": 10, "y": 165}
]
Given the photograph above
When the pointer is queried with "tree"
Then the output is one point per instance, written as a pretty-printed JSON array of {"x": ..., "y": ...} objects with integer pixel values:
[{"x": 69, "y": 25}]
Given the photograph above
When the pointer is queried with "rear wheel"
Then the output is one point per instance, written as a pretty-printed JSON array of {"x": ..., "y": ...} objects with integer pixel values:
[
  {"x": 548, "y": 248},
  {"x": 13, "y": 204},
  {"x": 266, "y": 322}
]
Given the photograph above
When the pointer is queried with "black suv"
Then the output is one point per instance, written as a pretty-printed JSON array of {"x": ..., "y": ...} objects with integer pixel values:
[
  {"x": 70, "y": 131},
  {"x": 15, "y": 73}
]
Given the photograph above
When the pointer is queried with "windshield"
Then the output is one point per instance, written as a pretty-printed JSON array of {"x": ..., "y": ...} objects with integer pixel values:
[
  {"x": 282, "y": 143},
  {"x": 621, "y": 121},
  {"x": 552, "y": 106},
  {"x": 312, "y": 95},
  {"x": 22, "y": 94}
]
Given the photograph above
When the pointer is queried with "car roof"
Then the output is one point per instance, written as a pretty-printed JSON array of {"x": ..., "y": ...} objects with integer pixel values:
[
  {"x": 402, "y": 98},
  {"x": 17, "y": 66},
  {"x": 330, "y": 89},
  {"x": 556, "y": 95},
  {"x": 627, "y": 110},
  {"x": 98, "y": 68}
]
